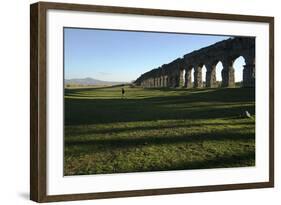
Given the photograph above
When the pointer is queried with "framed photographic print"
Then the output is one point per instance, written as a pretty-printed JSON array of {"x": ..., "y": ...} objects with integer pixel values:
[{"x": 134, "y": 102}]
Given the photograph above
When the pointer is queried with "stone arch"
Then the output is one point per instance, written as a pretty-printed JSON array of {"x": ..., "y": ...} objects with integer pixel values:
[
  {"x": 166, "y": 81},
  {"x": 210, "y": 79},
  {"x": 163, "y": 80},
  {"x": 189, "y": 73},
  {"x": 249, "y": 71},
  {"x": 176, "y": 80},
  {"x": 213, "y": 75},
  {"x": 183, "y": 74},
  {"x": 219, "y": 67},
  {"x": 173, "y": 80},
  {"x": 238, "y": 65},
  {"x": 227, "y": 73},
  {"x": 192, "y": 76},
  {"x": 156, "y": 81},
  {"x": 198, "y": 83},
  {"x": 225, "y": 51},
  {"x": 204, "y": 75}
]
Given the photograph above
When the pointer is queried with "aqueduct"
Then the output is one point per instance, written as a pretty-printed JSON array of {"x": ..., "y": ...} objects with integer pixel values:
[{"x": 226, "y": 51}]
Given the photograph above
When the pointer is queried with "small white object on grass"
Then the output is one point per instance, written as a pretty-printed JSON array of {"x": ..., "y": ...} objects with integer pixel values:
[{"x": 248, "y": 114}]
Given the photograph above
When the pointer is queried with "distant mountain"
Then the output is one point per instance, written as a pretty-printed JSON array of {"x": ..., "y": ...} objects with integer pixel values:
[{"x": 90, "y": 81}]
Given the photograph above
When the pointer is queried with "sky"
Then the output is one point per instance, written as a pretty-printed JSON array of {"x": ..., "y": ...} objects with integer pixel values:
[{"x": 122, "y": 56}]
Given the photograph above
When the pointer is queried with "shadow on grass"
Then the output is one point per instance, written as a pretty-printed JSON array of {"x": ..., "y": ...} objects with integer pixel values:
[
  {"x": 92, "y": 145},
  {"x": 93, "y": 130},
  {"x": 236, "y": 160},
  {"x": 198, "y": 105},
  {"x": 231, "y": 160}
]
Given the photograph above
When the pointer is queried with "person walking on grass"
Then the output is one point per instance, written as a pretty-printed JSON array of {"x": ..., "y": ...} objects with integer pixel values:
[{"x": 123, "y": 92}]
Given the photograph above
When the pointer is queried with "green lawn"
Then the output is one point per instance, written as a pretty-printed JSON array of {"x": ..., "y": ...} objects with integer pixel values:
[{"x": 157, "y": 129}]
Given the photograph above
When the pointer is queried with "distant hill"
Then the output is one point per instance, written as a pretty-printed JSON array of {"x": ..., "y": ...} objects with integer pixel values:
[{"x": 90, "y": 81}]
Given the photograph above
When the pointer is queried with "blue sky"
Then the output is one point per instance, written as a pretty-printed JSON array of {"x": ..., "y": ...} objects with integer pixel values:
[{"x": 124, "y": 55}]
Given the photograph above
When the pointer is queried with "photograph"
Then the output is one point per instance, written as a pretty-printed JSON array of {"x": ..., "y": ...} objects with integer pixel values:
[{"x": 145, "y": 101}]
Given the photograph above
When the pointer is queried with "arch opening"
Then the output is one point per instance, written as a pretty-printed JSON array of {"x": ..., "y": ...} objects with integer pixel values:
[
  {"x": 183, "y": 78},
  {"x": 192, "y": 76},
  {"x": 238, "y": 65},
  {"x": 219, "y": 68},
  {"x": 204, "y": 72}
]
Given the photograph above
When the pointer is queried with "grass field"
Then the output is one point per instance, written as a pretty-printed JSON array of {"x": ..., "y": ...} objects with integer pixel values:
[{"x": 157, "y": 129}]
